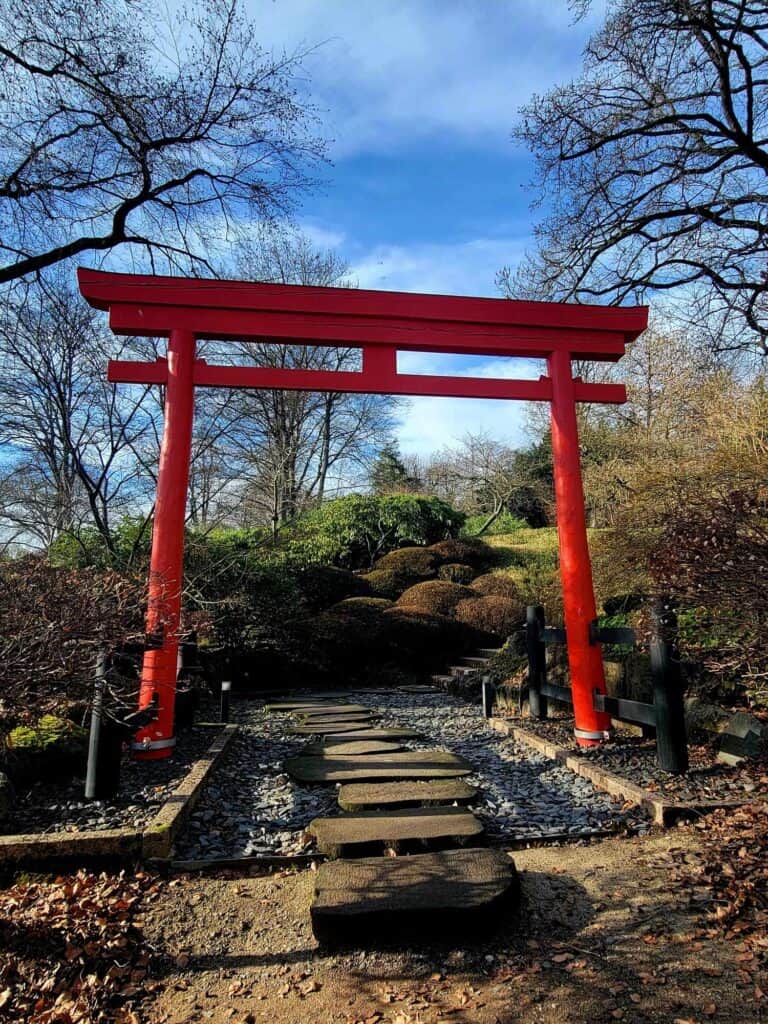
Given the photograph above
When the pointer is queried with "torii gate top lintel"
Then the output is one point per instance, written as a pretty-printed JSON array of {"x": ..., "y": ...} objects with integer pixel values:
[
  {"x": 153, "y": 306},
  {"x": 380, "y": 323}
]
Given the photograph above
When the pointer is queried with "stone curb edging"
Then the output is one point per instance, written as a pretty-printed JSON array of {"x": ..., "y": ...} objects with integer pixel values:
[
  {"x": 155, "y": 840},
  {"x": 663, "y": 812}
]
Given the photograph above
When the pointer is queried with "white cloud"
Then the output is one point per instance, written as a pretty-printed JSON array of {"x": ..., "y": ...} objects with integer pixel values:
[
  {"x": 391, "y": 72},
  {"x": 430, "y": 424},
  {"x": 460, "y": 268}
]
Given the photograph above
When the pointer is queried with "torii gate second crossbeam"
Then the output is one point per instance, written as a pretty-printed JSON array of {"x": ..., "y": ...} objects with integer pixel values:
[{"x": 381, "y": 324}]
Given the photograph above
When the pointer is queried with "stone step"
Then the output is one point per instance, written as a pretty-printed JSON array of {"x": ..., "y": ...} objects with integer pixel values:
[
  {"x": 352, "y": 749},
  {"x": 415, "y": 689},
  {"x": 357, "y": 796},
  {"x": 334, "y": 710},
  {"x": 473, "y": 662},
  {"x": 300, "y": 705},
  {"x": 330, "y": 722},
  {"x": 359, "y": 834},
  {"x": 356, "y": 732},
  {"x": 441, "y": 680},
  {"x": 412, "y": 764},
  {"x": 460, "y": 670},
  {"x": 488, "y": 651},
  {"x": 451, "y": 895}
]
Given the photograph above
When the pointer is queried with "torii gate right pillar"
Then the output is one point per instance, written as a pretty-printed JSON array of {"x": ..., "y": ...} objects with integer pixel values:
[{"x": 585, "y": 659}]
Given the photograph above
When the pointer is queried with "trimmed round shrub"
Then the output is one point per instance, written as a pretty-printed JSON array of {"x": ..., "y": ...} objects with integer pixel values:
[
  {"x": 421, "y": 640},
  {"x": 386, "y": 583},
  {"x": 322, "y": 586},
  {"x": 414, "y": 562},
  {"x": 361, "y": 606},
  {"x": 437, "y": 597},
  {"x": 466, "y": 551},
  {"x": 456, "y": 572},
  {"x": 498, "y": 584},
  {"x": 494, "y": 615}
]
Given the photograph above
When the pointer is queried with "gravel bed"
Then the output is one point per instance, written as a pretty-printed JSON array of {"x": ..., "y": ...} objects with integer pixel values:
[
  {"x": 251, "y": 807},
  {"x": 144, "y": 788},
  {"x": 634, "y": 759}
]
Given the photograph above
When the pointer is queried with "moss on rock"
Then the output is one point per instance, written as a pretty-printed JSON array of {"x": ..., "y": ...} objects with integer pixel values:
[{"x": 53, "y": 748}]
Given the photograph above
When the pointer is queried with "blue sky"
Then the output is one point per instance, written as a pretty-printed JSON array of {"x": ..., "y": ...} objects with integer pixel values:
[{"x": 426, "y": 191}]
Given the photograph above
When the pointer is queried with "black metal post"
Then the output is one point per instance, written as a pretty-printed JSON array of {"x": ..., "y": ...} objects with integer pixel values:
[
  {"x": 537, "y": 663},
  {"x": 489, "y": 698},
  {"x": 94, "y": 738},
  {"x": 671, "y": 739},
  {"x": 225, "y": 691}
]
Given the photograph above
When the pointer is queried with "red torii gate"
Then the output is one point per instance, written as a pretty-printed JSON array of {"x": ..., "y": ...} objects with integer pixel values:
[{"x": 381, "y": 324}]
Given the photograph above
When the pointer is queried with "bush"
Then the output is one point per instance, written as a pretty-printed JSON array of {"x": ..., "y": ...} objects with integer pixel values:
[
  {"x": 321, "y": 586},
  {"x": 437, "y": 597},
  {"x": 505, "y": 523},
  {"x": 386, "y": 583},
  {"x": 498, "y": 584},
  {"x": 51, "y": 749},
  {"x": 51, "y": 622},
  {"x": 493, "y": 615},
  {"x": 466, "y": 551},
  {"x": 361, "y": 607},
  {"x": 456, "y": 572},
  {"x": 412, "y": 563},
  {"x": 354, "y": 531},
  {"x": 422, "y": 640}
]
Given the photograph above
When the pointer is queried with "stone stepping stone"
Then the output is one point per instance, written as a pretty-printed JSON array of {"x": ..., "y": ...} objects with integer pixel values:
[
  {"x": 330, "y": 724},
  {"x": 412, "y": 764},
  {"x": 332, "y": 710},
  {"x": 353, "y": 749},
  {"x": 443, "y": 896},
  {"x": 338, "y": 727},
  {"x": 357, "y": 732},
  {"x": 352, "y": 835},
  {"x": 296, "y": 707},
  {"x": 357, "y": 796}
]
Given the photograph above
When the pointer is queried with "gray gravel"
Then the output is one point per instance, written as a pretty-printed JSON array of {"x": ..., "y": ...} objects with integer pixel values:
[
  {"x": 252, "y": 807},
  {"x": 144, "y": 788}
]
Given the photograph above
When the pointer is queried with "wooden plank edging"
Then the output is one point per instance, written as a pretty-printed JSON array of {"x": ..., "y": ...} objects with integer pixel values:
[
  {"x": 122, "y": 843},
  {"x": 663, "y": 812}
]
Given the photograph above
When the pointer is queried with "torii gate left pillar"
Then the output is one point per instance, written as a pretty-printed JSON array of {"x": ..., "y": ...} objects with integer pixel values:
[{"x": 381, "y": 324}]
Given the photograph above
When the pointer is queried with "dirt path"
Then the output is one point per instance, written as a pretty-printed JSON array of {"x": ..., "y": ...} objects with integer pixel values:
[{"x": 600, "y": 936}]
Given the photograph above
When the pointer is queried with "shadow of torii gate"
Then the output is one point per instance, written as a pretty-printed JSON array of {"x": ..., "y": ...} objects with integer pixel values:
[{"x": 381, "y": 324}]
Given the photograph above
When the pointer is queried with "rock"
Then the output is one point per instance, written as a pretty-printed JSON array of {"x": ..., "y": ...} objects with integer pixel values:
[
  {"x": 744, "y": 736},
  {"x": 7, "y": 798},
  {"x": 704, "y": 720}
]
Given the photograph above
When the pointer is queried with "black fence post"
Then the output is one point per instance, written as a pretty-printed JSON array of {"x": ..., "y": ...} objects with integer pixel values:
[
  {"x": 94, "y": 737},
  {"x": 489, "y": 698},
  {"x": 671, "y": 739},
  {"x": 225, "y": 691},
  {"x": 537, "y": 664}
]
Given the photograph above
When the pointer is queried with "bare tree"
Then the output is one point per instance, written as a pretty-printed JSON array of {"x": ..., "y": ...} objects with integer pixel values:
[
  {"x": 290, "y": 447},
  {"x": 653, "y": 162},
  {"x": 74, "y": 450},
  {"x": 481, "y": 476},
  {"x": 120, "y": 128}
]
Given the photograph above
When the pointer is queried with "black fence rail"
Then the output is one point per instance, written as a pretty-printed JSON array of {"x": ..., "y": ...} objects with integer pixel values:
[{"x": 664, "y": 717}]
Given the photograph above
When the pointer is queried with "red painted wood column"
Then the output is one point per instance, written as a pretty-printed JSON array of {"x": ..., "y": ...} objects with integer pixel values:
[
  {"x": 166, "y": 567},
  {"x": 585, "y": 659}
]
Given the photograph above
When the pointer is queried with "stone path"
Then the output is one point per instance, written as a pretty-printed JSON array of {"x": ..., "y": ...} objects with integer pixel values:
[
  {"x": 252, "y": 807},
  {"x": 367, "y": 901}
]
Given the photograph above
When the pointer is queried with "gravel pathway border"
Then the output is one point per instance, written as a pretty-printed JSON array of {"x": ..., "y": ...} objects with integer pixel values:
[{"x": 252, "y": 808}]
